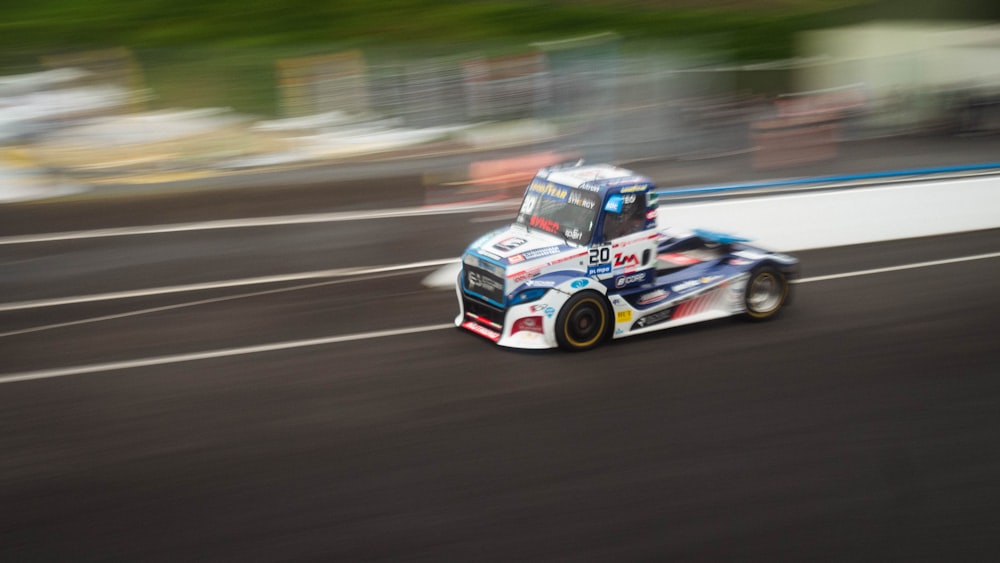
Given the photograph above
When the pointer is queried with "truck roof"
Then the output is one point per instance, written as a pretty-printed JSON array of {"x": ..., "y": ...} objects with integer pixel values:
[{"x": 597, "y": 177}]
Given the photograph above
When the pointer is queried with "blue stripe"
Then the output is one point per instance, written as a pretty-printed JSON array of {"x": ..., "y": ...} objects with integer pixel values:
[{"x": 825, "y": 179}]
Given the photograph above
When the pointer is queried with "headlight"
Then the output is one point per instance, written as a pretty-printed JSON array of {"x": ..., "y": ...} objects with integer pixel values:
[{"x": 528, "y": 295}]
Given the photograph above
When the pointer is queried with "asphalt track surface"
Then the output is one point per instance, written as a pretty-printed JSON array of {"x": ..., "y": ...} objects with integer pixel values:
[{"x": 862, "y": 424}]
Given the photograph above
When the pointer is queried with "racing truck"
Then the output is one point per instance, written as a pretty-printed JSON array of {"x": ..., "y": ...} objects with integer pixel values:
[{"x": 586, "y": 261}]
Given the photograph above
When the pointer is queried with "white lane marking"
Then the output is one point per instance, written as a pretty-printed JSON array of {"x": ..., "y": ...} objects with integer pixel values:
[
  {"x": 163, "y": 360},
  {"x": 261, "y": 280},
  {"x": 899, "y": 268},
  {"x": 280, "y": 220},
  {"x": 212, "y": 354},
  {"x": 190, "y": 304}
]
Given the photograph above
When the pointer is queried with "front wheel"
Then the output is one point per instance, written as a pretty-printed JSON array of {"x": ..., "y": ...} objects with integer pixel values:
[
  {"x": 766, "y": 292},
  {"x": 583, "y": 322}
]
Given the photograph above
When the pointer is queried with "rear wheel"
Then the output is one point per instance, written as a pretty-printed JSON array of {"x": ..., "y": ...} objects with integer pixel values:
[
  {"x": 583, "y": 322},
  {"x": 766, "y": 292}
]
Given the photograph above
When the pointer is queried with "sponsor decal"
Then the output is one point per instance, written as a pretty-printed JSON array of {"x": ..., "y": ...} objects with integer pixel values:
[
  {"x": 654, "y": 318},
  {"x": 481, "y": 330},
  {"x": 540, "y": 252},
  {"x": 543, "y": 308},
  {"x": 623, "y": 260},
  {"x": 540, "y": 283},
  {"x": 576, "y": 198},
  {"x": 549, "y": 190},
  {"x": 579, "y": 284},
  {"x": 590, "y": 186},
  {"x": 476, "y": 280},
  {"x": 622, "y": 281},
  {"x": 599, "y": 270},
  {"x": 516, "y": 259},
  {"x": 709, "y": 279},
  {"x": 509, "y": 243},
  {"x": 623, "y": 316},
  {"x": 614, "y": 204},
  {"x": 635, "y": 188},
  {"x": 686, "y": 286},
  {"x": 544, "y": 224},
  {"x": 573, "y": 234},
  {"x": 739, "y": 262},
  {"x": 525, "y": 275},
  {"x": 653, "y": 297},
  {"x": 527, "y": 324},
  {"x": 651, "y": 215}
]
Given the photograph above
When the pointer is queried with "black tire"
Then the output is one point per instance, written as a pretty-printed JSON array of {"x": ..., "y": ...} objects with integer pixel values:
[
  {"x": 766, "y": 293},
  {"x": 583, "y": 322}
]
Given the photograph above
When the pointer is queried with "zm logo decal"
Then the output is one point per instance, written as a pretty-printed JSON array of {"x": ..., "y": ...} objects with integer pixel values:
[{"x": 622, "y": 259}]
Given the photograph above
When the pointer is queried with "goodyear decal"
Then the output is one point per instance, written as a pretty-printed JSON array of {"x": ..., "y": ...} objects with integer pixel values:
[
  {"x": 549, "y": 190},
  {"x": 636, "y": 188}
]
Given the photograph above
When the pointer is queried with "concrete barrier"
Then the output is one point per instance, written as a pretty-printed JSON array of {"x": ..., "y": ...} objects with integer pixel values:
[{"x": 803, "y": 221}]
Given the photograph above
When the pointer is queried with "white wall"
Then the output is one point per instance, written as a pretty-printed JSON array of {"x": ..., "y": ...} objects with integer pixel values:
[{"x": 851, "y": 216}]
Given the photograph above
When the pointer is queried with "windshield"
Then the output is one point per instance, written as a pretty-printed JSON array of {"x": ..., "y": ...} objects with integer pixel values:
[{"x": 559, "y": 210}]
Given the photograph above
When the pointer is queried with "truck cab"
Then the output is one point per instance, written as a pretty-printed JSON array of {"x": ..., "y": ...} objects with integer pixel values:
[
  {"x": 584, "y": 260},
  {"x": 594, "y": 226}
]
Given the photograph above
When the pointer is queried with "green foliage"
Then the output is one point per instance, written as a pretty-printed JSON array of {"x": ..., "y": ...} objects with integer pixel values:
[
  {"x": 222, "y": 52},
  {"x": 62, "y": 24}
]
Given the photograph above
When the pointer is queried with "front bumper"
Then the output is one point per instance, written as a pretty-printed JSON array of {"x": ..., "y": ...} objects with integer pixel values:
[{"x": 502, "y": 326}]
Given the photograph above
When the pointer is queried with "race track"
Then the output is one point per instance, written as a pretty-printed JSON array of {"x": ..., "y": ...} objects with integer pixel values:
[{"x": 860, "y": 425}]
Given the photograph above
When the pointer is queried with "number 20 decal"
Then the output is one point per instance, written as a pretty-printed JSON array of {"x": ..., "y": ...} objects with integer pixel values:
[{"x": 600, "y": 255}]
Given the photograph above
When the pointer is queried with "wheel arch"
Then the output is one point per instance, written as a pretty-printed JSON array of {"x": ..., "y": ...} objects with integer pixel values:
[{"x": 585, "y": 320}]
